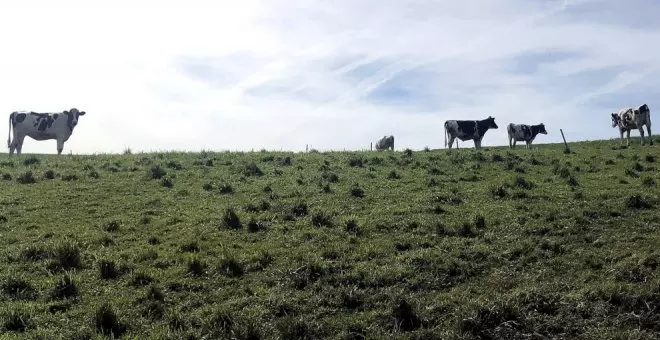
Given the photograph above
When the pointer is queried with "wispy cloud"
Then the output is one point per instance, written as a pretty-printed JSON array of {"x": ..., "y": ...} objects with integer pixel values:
[{"x": 280, "y": 74}]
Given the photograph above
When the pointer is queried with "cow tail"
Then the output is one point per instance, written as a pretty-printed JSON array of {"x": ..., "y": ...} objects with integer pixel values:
[
  {"x": 445, "y": 135},
  {"x": 11, "y": 117}
]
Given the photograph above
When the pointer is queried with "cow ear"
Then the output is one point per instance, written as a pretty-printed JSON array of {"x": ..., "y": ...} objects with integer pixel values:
[
  {"x": 81, "y": 113},
  {"x": 66, "y": 112}
]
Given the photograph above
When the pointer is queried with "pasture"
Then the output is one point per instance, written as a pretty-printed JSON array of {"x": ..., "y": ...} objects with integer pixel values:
[{"x": 435, "y": 244}]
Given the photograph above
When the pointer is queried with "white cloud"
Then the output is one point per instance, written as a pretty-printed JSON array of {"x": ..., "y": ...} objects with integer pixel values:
[{"x": 279, "y": 74}]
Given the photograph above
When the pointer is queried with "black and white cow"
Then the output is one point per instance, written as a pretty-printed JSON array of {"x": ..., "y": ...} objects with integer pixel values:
[
  {"x": 41, "y": 126},
  {"x": 385, "y": 143},
  {"x": 468, "y": 129},
  {"x": 523, "y": 132},
  {"x": 633, "y": 118}
]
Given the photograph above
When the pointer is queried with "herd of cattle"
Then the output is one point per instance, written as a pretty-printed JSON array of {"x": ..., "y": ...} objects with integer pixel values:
[
  {"x": 626, "y": 119},
  {"x": 59, "y": 126}
]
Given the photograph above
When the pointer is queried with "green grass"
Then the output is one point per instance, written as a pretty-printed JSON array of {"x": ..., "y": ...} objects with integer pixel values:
[{"x": 265, "y": 245}]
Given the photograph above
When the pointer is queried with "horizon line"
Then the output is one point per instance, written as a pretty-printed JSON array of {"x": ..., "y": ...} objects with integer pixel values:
[{"x": 128, "y": 151}]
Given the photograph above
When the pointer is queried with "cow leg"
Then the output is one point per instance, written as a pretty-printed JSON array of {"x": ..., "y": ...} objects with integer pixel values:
[
  {"x": 510, "y": 145},
  {"x": 648, "y": 129},
  {"x": 451, "y": 141},
  {"x": 18, "y": 144},
  {"x": 60, "y": 146},
  {"x": 12, "y": 146},
  {"x": 19, "y": 149},
  {"x": 641, "y": 134},
  {"x": 628, "y": 138}
]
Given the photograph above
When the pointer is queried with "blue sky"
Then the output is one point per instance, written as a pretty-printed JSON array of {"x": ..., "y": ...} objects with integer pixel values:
[{"x": 280, "y": 74}]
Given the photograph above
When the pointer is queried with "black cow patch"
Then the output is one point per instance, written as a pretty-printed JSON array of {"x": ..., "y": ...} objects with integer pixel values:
[
  {"x": 43, "y": 121},
  {"x": 466, "y": 127},
  {"x": 483, "y": 126},
  {"x": 20, "y": 117},
  {"x": 69, "y": 120},
  {"x": 43, "y": 124},
  {"x": 536, "y": 129},
  {"x": 526, "y": 132}
]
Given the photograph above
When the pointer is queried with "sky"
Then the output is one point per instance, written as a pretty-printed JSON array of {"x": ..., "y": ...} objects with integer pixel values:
[{"x": 334, "y": 75}]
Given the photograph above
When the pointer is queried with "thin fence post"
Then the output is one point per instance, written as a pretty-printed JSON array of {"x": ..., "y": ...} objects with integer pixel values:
[
  {"x": 567, "y": 150},
  {"x": 371, "y": 146}
]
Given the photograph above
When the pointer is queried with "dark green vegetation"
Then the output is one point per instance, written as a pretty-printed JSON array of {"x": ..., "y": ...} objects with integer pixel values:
[{"x": 424, "y": 244}]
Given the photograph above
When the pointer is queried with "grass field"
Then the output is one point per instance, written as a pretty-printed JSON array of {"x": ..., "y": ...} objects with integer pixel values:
[{"x": 344, "y": 245}]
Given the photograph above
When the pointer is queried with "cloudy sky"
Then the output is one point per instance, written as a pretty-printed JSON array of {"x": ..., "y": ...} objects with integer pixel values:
[{"x": 280, "y": 74}]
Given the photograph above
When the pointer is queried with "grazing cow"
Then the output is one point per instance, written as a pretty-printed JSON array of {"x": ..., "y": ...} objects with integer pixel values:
[
  {"x": 468, "y": 129},
  {"x": 633, "y": 118},
  {"x": 385, "y": 143},
  {"x": 523, "y": 132},
  {"x": 41, "y": 126}
]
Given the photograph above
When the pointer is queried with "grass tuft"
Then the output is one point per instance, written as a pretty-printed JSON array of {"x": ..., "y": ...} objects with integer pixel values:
[
  {"x": 156, "y": 172},
  {"x": 26, "y": 178},
  {"x": 17, "y": 321},
  {"x": 639, "y": 202},
  {"x": 107, "y": 322},
  {"x": 321, "y": 219},
  {"x": 230, "y": 267},
  {"x": 405, "y": 317},
  {"x": 18, "y": 289},
  {"x": 65, "y": 288},
  {"x": 231, "y": 220},
  {"x": 252, "y": 170},
  {"x": 108, "y": 270},
  {"x": 31, "y": 160}
]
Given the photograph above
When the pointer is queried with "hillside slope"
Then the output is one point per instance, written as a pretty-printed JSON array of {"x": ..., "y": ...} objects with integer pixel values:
[{"x": 426, "y": 244}]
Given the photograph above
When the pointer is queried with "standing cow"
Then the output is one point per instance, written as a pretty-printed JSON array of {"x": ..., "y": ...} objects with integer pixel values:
[
  {"x": 41, "y": 126},
  {"x": 385, "y": 143},
  {"x": 468, "y": 129},
  {"x": 523, "y": 132},
  {"x": 633, "y": 118}
]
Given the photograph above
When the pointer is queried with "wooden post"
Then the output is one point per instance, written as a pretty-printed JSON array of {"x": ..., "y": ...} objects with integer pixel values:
[
  {"x": 371, "y": 146},
  {"x": 568, "y": 150},
  {"x": 306, "y": 147}
]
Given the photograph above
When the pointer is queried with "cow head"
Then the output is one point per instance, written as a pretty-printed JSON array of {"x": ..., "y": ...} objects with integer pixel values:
[
  {"x": 490, "y": 121},
  {"x": 542, "y": 129},
  {"x": 72, "y": 117},
  {"x": 615, "y": 119}
]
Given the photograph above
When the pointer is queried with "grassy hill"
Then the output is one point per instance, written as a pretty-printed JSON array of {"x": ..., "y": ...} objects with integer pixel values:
[{"x": 426, "y": 244}]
